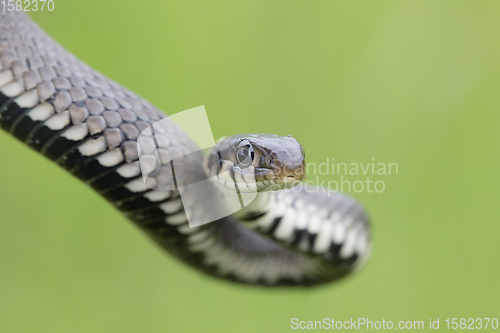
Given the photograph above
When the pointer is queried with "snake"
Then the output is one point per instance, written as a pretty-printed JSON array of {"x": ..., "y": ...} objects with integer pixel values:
[{"x": 289, "y": 234}]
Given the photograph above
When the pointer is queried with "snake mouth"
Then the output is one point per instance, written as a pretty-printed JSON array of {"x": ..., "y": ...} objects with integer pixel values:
[
  {"x": 290, "y": 173},
  {"x": 282, "y": 177},
  {"x": 291, "y": 179},
  {"x": 289, "y": 182}
]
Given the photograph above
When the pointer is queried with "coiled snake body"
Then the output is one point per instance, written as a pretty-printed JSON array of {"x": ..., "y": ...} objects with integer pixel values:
[{"x": 89, "y": 125}]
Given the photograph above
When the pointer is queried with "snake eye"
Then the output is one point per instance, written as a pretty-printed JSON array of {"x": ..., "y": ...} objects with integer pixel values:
[{"x": 245, "y": 156}]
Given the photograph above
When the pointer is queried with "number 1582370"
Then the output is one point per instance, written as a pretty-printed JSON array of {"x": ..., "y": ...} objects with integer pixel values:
[{"x": 27, "y": 5}]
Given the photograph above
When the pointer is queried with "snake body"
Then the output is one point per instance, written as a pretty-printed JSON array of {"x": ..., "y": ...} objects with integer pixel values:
[{"x": 90, "y": 126}]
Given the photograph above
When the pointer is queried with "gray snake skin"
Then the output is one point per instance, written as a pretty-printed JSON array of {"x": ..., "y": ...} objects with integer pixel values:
[{"x": 89, "y": 125}]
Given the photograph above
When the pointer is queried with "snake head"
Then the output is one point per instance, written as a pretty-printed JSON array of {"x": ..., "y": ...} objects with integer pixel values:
[{"x": 257, "y": 162}]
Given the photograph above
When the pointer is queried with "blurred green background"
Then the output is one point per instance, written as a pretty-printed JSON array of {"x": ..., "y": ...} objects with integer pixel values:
[{"x": 411, "y": 82}]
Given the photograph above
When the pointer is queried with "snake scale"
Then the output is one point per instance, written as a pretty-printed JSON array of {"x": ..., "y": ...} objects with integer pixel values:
[{"x": 90, "y": 126}]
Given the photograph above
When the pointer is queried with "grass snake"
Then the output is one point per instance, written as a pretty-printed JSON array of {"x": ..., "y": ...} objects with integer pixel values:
[{"x": 90, "y": 126}]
